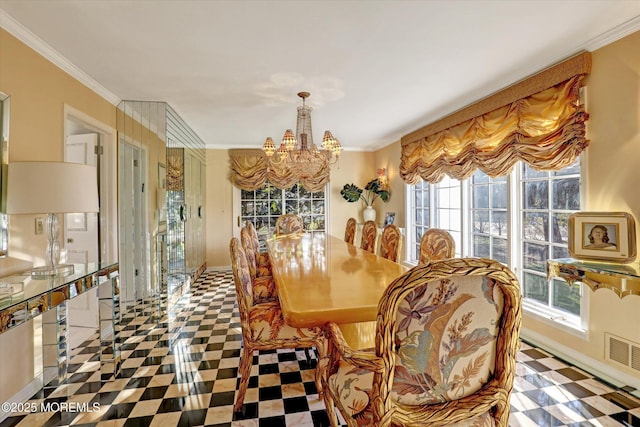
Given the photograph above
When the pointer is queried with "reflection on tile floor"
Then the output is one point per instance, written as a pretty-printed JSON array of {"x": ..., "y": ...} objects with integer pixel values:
[{"x": 181, "y": 369}]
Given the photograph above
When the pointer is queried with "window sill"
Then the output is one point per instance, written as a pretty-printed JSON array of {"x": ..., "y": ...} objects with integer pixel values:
[{"x": 555, "y": 319}]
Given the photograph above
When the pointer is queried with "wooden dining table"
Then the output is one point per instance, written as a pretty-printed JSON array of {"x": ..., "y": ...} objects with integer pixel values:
[{"x": 322, "y": 278}]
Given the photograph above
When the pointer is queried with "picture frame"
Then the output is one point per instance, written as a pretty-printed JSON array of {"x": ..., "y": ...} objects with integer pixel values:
[
  {"x": 603, "y": 236},
  {"x": 389, "y": 218}
]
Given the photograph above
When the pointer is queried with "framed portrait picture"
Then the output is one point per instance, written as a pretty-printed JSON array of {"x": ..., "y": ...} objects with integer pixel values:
[
  {"x": 389, "y": 218},
  {"x": 605, "y": 236}
]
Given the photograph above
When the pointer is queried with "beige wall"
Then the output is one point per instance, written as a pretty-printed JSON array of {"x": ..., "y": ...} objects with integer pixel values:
[
  {"x": 389, "y": 157},
  {"x": 612, "y": 177},
  {"x": 219, "y": 210},
  {"x": 39, "y": 91},
  {"x": 353, "y": 167}
]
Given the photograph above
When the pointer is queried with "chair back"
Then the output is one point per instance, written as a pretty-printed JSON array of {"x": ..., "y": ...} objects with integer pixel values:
[
  {"x": 289, "y": 224},
  {"x": 436, "y": 244},
  {"x": 369, "y": 235},
  {"x": 247, "y": 246},
  {"x": 350, "y": 231},
  {"x": 391, "y": 242},
  {"x": 448, "y": 331},
  {"x": 241, "y": 278},
  {"x": 253, "y": 234}
]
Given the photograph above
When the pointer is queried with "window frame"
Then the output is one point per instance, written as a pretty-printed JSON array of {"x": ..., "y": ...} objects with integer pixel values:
[
  {"x": 262, "y": 234},
  {"x": 576, "y": 324}
]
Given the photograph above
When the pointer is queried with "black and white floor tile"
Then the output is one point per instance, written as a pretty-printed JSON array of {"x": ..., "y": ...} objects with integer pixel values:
[{"x": 180, "y": 368}]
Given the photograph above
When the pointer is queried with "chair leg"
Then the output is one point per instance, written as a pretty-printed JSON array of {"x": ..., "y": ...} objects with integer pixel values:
[
  {"x": 331, "y": 409},
  {"x": 245, "y": 372}
]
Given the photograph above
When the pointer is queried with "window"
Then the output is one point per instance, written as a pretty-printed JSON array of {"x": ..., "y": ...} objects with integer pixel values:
[
  {"x": 448, "y": 209},
  {"x": 443, "y": 211},
  {"x": 265, "y": 205},
  {"x": 548, "y": 198},
  {"x": 520, "y": 220},
  {"x": 489, "y": 225},
  {"x": 421, "y": 217}
]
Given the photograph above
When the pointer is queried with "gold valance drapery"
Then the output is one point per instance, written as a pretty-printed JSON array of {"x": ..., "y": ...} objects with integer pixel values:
[
  {"x": 250, "y": 170},
  {"x": 546, "y": 129}
]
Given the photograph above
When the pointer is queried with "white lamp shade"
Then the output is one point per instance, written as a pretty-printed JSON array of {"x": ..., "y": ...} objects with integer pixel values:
[{"x": 51, "y": 187}]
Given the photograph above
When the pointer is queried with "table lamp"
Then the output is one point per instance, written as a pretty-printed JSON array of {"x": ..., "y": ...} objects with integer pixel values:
[{"x": 51, "y": 188}]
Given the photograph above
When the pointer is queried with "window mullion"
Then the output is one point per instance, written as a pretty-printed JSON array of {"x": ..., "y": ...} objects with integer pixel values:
[
  {"x": 514, "y": 203},
  {"x": 466, "y": 228}
]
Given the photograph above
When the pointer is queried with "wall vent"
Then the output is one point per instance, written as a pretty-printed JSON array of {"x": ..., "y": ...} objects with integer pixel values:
[{"x": 622, "y": 351}]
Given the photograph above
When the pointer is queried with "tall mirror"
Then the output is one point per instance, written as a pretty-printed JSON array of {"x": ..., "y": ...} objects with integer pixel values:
[
  {"x": 161, "y": 169},
  {"x": 4, "y": 160},
  {"x": 141, "y": 156}
]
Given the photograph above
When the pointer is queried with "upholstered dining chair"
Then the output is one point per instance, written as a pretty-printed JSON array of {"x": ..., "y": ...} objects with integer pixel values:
[
  {"x": 289, "y": 224},
  {"x": 350, "y": 231},
  {"x": 262, "y": 324},
  {"x": 257, "y": 269},
  {"x": 436, "y": 244},
  {"x": 262, "y": 258},
  {"x": 447, "y": 334},
  {"x": 264, "y": 286},
  {"x": 369, "y": 236},
  {"x": 391, "y": 242}
]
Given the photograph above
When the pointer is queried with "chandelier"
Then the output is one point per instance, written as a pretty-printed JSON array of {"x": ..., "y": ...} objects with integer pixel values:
[{"x": 298, "y": 153}]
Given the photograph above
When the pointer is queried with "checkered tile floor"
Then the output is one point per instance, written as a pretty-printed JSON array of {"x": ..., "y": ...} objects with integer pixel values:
[{"x": 181, "y": 369}]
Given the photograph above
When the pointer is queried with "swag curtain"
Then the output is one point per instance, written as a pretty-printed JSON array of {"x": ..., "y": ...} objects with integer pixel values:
[
  {"x": 546, "y": 129},
  {"x": 250, "y": 170}
]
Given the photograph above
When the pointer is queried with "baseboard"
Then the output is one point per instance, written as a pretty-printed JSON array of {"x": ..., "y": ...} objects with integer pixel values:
[
  {"x": 219, "y": 268},
  {"x": 595, "y": 367}
]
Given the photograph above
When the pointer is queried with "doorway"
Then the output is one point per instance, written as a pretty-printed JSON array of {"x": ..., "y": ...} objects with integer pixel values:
[
  {"x": 134, "y": 241},
  {"x": 90, "y": 238}
]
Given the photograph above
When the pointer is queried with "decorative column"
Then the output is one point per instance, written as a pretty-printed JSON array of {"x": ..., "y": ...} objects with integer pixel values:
[
  {"x": 109, "y": 324},
  {"x": 55, "y": 335}
]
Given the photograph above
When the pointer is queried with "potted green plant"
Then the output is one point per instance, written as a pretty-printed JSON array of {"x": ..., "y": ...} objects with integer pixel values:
[{"x": 371, "y": 192}]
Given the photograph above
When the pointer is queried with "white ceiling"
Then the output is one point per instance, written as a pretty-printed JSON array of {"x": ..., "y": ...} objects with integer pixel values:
[{"x": 376, "y": 70}]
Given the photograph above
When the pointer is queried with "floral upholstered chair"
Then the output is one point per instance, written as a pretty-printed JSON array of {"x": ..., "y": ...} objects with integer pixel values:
[
  {"x": 262, "y": 258},
  {"x": 391, "y": 242},
  {"x": 369, "y": 235},
  {"x": 289, "y": 224},
  {"x": 263, "y": 327},
  {"x": 264, "y": 287},
  {"x": 350, "y": 231},
  {"x": 436, "y": 244},
  {"x": 445, "y": 350}
]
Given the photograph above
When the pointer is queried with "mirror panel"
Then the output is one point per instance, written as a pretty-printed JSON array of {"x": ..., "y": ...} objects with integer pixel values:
[
  {"x": 141, "y": 150},
  {"x": 162, "y": 246},
  {"x": 185, "y": 243}
]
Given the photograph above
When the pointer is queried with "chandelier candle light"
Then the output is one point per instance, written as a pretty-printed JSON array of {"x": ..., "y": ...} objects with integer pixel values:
[{"x": 297, "y": 152}]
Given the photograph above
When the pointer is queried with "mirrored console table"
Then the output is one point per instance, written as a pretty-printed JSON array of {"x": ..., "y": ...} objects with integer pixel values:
[
  {"x": 623, "y": 279},
  {"x": 48, "y": 298}
]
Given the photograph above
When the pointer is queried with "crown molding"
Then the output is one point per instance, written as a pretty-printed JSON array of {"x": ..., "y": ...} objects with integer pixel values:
[
  {"x": 41, "y": 47},
  {"x": 614, "y": 34}
]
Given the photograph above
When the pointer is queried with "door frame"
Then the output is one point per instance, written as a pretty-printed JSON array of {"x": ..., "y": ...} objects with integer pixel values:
[
  {"x": 108, "y": 177},
  {"x": 141, "y": 288}
]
